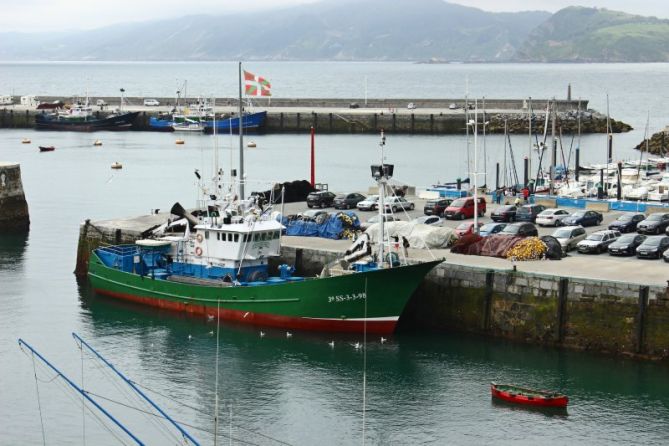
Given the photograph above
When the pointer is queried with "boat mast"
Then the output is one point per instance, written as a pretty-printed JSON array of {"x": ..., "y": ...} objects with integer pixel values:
[
  {"x": 467, "y": 120},
  {"x": 475, "y": 229},
  {"x": 241, "y": 139},
  {"x": 529, "y": 135},
  {"x": 381, "y": 181}
]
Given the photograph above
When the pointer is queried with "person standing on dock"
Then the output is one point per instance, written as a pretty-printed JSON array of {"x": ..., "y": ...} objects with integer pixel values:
[{"x": 526, "y": 194}]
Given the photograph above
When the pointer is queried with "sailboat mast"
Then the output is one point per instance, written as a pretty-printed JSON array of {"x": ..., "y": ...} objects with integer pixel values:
[
  {"x": 241, "y": 139},
  {"x": 529, "y": 134}
]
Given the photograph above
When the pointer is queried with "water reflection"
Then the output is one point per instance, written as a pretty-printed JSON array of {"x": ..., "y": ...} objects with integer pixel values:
[
  {"x": 12, "y": 251},
  {"x": 419, "y": 387}
]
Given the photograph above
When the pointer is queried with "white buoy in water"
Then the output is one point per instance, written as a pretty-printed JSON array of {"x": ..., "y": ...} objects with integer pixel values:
[
  {"x": 117, "y": 165},
  {"x": 97, "y": 142},
  {"x": 251, "y": 144}
]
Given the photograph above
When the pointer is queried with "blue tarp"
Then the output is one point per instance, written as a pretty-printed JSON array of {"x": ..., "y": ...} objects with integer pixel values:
[{"x": 331, "y": 228}]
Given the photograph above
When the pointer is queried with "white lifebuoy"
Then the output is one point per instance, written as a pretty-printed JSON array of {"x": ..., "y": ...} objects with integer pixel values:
[
  {"x": 198, "y": 251},
  {"x": 199, "y": 238}
]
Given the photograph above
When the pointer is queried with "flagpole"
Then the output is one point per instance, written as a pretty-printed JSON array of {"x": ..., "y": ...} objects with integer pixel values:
[{"x": 241, "y": 138}]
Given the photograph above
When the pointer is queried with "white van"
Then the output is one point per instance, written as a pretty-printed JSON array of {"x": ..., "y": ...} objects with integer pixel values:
[
  {"x": 151, "y": 102},
  {"x": 6, "y": 100}
]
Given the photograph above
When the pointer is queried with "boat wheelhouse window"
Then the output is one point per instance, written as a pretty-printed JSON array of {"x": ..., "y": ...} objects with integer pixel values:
[
  {"x": 263, "y": 236},
  {"x": 218, "y": 236},
  {"x": 277, "y": 235},
  {"x": 229, "y": 236},
  {"x": 236, "y": 237},
  {"x": 206, "y": 234}
]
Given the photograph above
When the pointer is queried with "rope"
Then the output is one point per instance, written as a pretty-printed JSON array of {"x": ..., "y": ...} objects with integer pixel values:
[{"x": 39, "y": 404}]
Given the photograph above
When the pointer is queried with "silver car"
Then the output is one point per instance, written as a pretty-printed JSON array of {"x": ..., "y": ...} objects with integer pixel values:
[
  {"x": 371, "y": 203},
  {"x": 569, "y": 236}
]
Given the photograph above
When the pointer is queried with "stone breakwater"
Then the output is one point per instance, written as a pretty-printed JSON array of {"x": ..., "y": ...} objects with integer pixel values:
[
  {"x": 13, "y": 206},
  {"x": 658, "y": 144},
  {"x": 340, "y": 116}
]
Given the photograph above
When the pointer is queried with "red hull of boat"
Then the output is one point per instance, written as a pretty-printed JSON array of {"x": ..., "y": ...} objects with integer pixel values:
[
  {"x": 265, "y": 320},
  {"x": 540, "y": 401}
]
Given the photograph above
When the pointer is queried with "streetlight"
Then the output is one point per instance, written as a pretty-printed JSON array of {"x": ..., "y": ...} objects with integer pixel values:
[{"x": 474, "y": 123}]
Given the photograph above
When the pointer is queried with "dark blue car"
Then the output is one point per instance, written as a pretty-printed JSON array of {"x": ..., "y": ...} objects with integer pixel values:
[
  {"x": 583, "y": 218},
  {"x": 627, "y": 222}
]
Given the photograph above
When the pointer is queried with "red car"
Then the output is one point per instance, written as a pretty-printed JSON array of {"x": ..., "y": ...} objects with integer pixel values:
[{"x": 466, "y": 228}]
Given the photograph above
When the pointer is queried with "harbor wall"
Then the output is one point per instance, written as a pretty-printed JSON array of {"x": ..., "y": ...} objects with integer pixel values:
[
  {"x": 13, "y": 206},
  {"x": 299, "y": 115},
  {"x": 600, "y": 316},
  {"x": 615, "y": 318}
]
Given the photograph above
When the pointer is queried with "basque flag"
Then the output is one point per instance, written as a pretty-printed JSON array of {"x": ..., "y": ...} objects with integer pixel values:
[{"x": 256, "y": 85}]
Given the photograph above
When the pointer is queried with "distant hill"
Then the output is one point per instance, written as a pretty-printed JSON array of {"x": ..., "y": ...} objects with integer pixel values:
[
  {"x": 350, "y": 30},
  {"x": 411, "y": 30},
  {"x": 577, "y": 34}
]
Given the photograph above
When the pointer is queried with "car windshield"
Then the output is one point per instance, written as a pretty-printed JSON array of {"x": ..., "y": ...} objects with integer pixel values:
[
  {"x": 655, "y": 217},
  {"x": 546, "y": 212},
  {"x": 652, "y": 241},
  {"x": 341, "y": 197},
  {"x": 460, "y": 202},
  {"x": 511, "y": 229},
  {"x": 464, "y": 226},
  {"x": 524, "y": 211},
  {"x": 595, "y": 237},
  {"x": 627, "y": 238},
  {"x": 422, "y": 219},
  {"x": 506, "y": 208},
  {"x": 625, "y": 218},
  {"x": 488, "y": 228},
  {"x": 578, "y": 214},
  {"x": 562, "y": 233},
  {"x": 372, "y": 198}
]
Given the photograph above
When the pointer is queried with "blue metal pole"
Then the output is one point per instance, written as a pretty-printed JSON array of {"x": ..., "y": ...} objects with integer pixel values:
[
  {"x": 136, "y": 389},
  {"x": 81, "y": 391}
]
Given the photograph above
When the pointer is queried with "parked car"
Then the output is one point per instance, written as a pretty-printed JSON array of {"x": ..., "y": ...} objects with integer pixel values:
[
  {"x": 655, "y": 223},
  {"x": 353, "y": 105},
  {"x": 466, "y": 228},
  {"x": 321, "y": 199},
  {"x": 411, "y": 106},
  {"x": 347, "y": 201},
  {"x": 626, "y": 245},
  {"x": 627, "y": 222},
  {"x": 371, "y": 203},
  {"x": 151, "y": 102},
  {"x": 464, "y": 208},
  {"x": 551, "y": 217},
  {"x": 398, "y": 203},
  {"x": 436, "y": 207},
  {"x": 569, "y": 236},
  {"x": 583, "y": 218},
  {"x": 491, "y": 228},
  {"x": 598, "y": 241},
  {"x": 521, "y": 229},
  {"x": 432, "y": 220},
  {"x": 529, "y": 212},
  {"x": 504, "y": 213},
  {"x": 653, "y": 247},
  {"x": 452, "y": 106},
  {"x": 375, "y": 219}
]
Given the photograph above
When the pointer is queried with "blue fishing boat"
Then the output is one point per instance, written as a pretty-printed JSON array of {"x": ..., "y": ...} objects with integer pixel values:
[{"x": 251, "y": 122}]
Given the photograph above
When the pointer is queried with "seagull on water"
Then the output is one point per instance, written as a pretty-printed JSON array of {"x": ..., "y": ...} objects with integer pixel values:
[
  {"x": 289, "y": 334},
  {"x": 211, "y": 333},
  {"x": 357, "y": 345},
  {"x": 383, "y": 340},
  {"x": 262, "y": 334},
  {"x": 331, "y": 344},
  {"x": 210, "y": 317},
  {"x": 190, "y": 337}
]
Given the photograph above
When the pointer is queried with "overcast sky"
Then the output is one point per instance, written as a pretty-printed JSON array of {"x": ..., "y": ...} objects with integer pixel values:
[{"x": 53, "y": 15}]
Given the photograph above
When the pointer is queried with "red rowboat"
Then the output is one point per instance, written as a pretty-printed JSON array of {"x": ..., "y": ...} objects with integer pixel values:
[
  {"x": 46, "y": 148},
  {"x": 529, "y": 397}
]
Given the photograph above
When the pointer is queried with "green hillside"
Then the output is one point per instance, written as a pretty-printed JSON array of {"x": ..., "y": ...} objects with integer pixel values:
[{"x": 577, "y": 34}]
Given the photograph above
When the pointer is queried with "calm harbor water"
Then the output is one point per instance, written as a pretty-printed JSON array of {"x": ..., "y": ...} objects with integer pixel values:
[{"x": 420, "y": 388}]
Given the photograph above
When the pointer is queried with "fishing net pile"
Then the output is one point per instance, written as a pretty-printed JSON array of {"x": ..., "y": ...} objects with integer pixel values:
[
  {"x": 509, "y": 247},
  {"x": 419, "y": 235},
  {"x": 334, "y": 226}
]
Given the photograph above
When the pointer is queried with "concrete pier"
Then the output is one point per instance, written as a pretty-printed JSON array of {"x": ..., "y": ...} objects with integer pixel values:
[
  {"x": 439, "y": 116},
  {"x": 13, "y": 206},
  {"x": 572, "y": 303}
]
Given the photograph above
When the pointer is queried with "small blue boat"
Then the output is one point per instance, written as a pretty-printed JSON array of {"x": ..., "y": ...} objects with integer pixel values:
[{"x": 251, "y": 122}]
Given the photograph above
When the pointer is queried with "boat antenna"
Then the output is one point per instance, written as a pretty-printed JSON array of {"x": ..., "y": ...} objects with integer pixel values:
[
  {"x": 380, "y": 175},
  {"x": 241, "y": 137}
]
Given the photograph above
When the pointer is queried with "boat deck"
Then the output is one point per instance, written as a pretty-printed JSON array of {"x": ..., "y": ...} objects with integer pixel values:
[{"x": 198, "y": 281}]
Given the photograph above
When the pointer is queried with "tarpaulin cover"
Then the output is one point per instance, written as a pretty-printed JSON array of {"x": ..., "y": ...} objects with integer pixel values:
[
  {"x": 554, "y": 248},
  {"x": 336, "y": 226},
  {"x": 419, "y": 235},
  {"x": 492, "y": 246}
]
